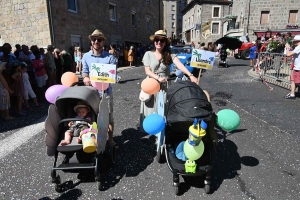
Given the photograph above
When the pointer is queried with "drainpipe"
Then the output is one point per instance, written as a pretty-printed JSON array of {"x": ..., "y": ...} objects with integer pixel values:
[
  {"x": 248, "y": 17},
  {"x": 51, "y": 23}
]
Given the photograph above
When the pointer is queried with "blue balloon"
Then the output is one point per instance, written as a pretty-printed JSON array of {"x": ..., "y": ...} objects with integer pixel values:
[
  {"x": 179, "y": 152},
  {"x": 153, "y": 124}
]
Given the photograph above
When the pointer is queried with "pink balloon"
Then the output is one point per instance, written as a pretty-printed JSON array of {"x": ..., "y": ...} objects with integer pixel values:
[
  {"x": 98, "y": 85},
  {"x": 53, "y": 92}
]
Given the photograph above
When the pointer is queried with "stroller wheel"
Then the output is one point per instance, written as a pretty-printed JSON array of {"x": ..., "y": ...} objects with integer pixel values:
[
  {"x": 58, "y": 187},
  {"x": 176, "y": 190},
  {"x": 99, "y": 185},
  {"x": 207, "y": 189}
]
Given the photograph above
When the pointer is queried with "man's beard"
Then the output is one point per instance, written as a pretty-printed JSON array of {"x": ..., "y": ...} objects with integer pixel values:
[{"x": 97, "y": 48}]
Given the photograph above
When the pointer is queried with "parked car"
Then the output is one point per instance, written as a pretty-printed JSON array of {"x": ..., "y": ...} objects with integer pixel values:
[{"x": 184, "y": 53}]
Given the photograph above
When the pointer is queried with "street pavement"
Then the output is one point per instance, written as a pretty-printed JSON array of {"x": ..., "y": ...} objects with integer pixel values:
[{"x": 259, "y": 160}]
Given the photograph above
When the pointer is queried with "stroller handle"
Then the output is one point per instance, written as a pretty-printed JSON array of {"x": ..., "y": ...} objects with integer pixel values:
[
  {"x": 75, "y": 119},
  {"x": 78, "y": 83}
]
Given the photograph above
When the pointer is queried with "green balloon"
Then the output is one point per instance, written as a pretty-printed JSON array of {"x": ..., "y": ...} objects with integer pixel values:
[
  {"x": 228, "y": 119},
  {"x": 193, "y": 152}
]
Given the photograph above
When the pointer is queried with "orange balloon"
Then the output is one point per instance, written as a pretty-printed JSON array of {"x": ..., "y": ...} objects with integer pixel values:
[
  {"x": 150, "y": 86},
  {"x": 68, "y": 78}
]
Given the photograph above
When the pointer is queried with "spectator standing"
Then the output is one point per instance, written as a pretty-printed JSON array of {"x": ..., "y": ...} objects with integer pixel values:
[
  {"x": 78, "y": 61},
  {"x": 295, "y": 76},
  {"x": 252, "y": 54},
  {"x": 4, "y": 95},
  {"x": 121, "y": 57},
  {"x": 67, "y": 61},
  {"x": 126, "y": 56},
  {"x": 28, "y": 91},
  {"x": 40, "y": 74},
  {"x": 50, "y": 66},
  {"x": 59, "y": 65},
  {"x": 10, "y": 60},
  {"x": 17, "y": 51},
  {"x": 130, "y": 56},
  {"x": 18, "y": 86}
]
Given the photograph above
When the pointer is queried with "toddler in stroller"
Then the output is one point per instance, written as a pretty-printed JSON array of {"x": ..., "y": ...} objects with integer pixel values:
[
  {"x": 188, "y": 103},
  {"x": 75, "y": 160},
  {"x": 77, "y": 127}
]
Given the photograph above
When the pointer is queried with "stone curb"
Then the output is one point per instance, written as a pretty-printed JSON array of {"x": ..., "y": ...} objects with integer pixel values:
[{"x": 271, "y": 80}]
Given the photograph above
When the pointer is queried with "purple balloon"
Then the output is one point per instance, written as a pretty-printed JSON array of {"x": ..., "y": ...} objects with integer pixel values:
[{"x": 53, "y": 92}]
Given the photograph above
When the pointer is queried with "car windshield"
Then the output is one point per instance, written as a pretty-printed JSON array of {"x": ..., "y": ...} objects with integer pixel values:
[{"x": 181, "y": 50}]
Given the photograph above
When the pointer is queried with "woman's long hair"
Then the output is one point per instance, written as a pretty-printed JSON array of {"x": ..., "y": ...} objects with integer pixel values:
[{"x": 166, "y": 53}]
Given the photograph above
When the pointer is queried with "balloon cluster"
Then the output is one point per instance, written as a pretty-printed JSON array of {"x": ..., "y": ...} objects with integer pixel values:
[{"x": 55, "y": 91}]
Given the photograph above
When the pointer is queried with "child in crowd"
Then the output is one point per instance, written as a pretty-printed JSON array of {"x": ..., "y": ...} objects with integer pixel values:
[
  {"x": 18, "y": 86},
  {"x": 28, "y": 89},
  {"x": 82, "y": 110},
  {"x": 40, "y": 74},
  {"x": 4, "y": 95}
]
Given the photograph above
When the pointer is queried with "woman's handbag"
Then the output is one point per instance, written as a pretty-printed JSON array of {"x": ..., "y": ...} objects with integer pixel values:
[{"x": 144, "y": 96}]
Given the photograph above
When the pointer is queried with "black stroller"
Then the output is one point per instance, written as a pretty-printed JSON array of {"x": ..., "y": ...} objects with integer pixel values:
[
  {"x": 185, "y": 102},
  {"x": 75, "y": 159}
]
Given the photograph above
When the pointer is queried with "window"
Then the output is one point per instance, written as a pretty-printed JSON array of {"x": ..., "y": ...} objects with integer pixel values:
[
  {"x": 215, "y": 28},
  {"x": 173, "y": 7},
  {"x": 133, "y": 18},
  {"x": 173, "y": 16},
  {"x": 148, "y": 25},
  {"x": 112, "y": 12},
  {"x": 216, "y": 11},
  {"x": 293, "y": 16},
  {"x": 76, "y": 40},
  {"x": 264, "y": 19},
  {"x": 192, "y": 19},
  {"x": 173, "y": 35},
  {"x": 72, "y": 6},
  {"x": 173, "y": 24}
]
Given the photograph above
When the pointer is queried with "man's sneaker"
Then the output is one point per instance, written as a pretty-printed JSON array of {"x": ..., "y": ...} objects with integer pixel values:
[
  {"x": 288, "y": 96},
  {"x": 118, "y": 78}
]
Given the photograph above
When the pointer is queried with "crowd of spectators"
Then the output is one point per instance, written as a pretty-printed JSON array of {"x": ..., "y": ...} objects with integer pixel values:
[{"x": 25, "y": 75}]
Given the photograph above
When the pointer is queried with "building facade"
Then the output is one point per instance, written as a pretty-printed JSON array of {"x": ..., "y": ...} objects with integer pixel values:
[
  {"x": 173, "y": 18},
  {"x": 68, "y": 23},
  {"x": 263, "y": 18},
  {"x": 203, "y": 20}
]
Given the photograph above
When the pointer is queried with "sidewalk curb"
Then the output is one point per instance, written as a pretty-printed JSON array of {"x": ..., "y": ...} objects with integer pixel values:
[
  {"x": 271, "y": 80},
  {"x": 120, "y": 69}
]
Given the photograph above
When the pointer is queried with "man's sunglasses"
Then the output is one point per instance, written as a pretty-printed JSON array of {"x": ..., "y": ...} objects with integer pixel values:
[
  {"x": 161, "y": 40},
  {"x": 98, "y": 39}
]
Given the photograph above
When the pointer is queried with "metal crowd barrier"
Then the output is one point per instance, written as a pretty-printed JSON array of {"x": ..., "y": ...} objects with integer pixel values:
[{"x": 276, "y": 66}]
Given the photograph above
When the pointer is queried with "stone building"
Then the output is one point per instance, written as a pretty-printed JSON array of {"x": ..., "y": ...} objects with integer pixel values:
[
  {"x": 66, "y": 23},
  {"x": 173, "y": 18},
  {"x": 263, "y": 18},
  {"x": 203, "y": 20}
]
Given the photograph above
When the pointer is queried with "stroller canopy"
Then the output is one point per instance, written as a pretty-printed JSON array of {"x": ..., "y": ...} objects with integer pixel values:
[
  {"x": 185, "y": 101},
  {"x": 72, "y": 95}
]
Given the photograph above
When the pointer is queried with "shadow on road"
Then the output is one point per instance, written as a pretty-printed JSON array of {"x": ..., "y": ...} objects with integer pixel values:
[
  {"x": 227, "y": 161},
  {"x": 134, "y": 154},
  {"x": 69, "y": 195}
]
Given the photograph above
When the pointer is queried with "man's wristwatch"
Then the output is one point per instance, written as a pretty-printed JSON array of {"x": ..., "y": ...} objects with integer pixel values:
[
  {"x": 191, "y": 75},
  {"x": 85, "y": 77}
]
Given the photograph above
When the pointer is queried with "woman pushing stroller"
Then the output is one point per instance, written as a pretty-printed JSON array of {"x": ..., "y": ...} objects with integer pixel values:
[{"x": 157, "y": 65}]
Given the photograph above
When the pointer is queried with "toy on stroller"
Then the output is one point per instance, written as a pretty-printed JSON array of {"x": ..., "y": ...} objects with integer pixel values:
[
  {"x": 223, "y": 57},
  {"x": 186, "y": 104},
  {"x": 76, "y": 160}
]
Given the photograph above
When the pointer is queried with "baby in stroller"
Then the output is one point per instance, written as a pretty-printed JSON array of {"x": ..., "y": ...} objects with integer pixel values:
[{"x": 77, "y": 127}]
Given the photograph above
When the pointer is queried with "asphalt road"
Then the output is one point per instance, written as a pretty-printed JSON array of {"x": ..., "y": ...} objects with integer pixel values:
[{"x": 260, "y": 160}]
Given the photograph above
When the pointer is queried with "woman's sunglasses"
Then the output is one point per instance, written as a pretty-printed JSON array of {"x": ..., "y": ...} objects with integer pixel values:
[
  {"x": 161, "y": 40},
  {"x": 98, "y": 39}
]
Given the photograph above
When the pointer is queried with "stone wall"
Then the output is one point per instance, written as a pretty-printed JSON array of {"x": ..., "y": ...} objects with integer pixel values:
[
  {"x": 279, "y": 13},
  {"x": 27, "y": 21},
  {"x": 24, "y": 22}
]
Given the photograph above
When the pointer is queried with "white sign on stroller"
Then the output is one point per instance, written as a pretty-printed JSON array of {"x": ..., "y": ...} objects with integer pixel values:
[
  {"x": 103, "y": 121},
  {"x": 161, "y": 112}
]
